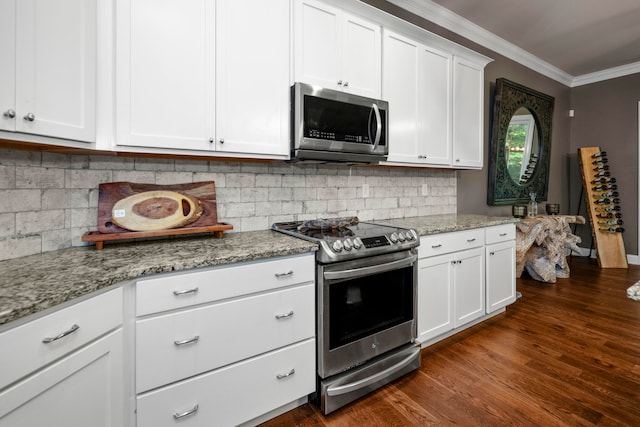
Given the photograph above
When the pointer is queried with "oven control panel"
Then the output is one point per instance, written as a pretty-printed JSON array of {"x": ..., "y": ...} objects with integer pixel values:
[{"x": 357, "y": 243}]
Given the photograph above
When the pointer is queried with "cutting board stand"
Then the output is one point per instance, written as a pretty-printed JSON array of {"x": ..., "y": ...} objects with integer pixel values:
[
  {"x": 609, "y": 245},
  {"x": 99, "y": 238}
]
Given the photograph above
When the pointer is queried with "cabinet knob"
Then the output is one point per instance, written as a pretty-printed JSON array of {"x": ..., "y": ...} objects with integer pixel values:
[
  {"x": 221, "y": 140},
  {"x": 10, "y": 113},
  {"x": 346, "y": 84},
  {"x": 30, "y": 117},
  {"x": 457, "y": 160},
  {"x": 211, "y": 140},
  {"x": 339, "y": 82}
]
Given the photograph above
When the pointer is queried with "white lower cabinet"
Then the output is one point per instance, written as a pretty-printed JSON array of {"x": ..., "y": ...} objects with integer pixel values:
[
  {"x": 462, "y": 277},
  {"x": 450, "y": 291},
  {"x": 501, "y": 267},
  {"x": 82, "y": 389},
  {"x": 233, "y": 394},
  {"x": 225, "y": 345},
  {"x": 76, "y": 379}
]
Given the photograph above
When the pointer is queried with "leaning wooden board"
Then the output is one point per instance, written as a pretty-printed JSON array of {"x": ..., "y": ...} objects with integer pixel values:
[
  {"x": 609, "y": 246},
  {"x": 154, "y": 203},
  {"x": 110, "y": 194}
]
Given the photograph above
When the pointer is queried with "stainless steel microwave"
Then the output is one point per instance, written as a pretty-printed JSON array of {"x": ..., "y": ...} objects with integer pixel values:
[{"x": 328, "y": 125}]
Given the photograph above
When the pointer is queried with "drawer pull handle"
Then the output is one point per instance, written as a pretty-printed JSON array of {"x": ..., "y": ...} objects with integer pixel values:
[
  {"x": 288, "y": 374},
  {"x": 190, "y": 340},
  {"x": 288, "y": 273},
  {"x": 492, "y": 253},
  {"x": 178, "y": 415},
  {"x": 436, "y": 246},
  {"x": 186, "y": 291},
  {"x": 284, "y": 316},
  {"x": 71, "y": 330},
  {"x": 471, "y": 240},
  {"x": 503, "y": 234}
]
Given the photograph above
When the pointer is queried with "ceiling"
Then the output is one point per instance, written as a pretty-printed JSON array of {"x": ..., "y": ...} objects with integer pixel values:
[{"x": 575, "y": 41}]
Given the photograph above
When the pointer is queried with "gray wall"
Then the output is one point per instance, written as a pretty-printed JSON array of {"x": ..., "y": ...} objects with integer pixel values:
[{"x": 606, "y": 116}]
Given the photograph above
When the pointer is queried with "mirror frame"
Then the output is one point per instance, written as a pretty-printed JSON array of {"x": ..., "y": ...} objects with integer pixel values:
[{"x": 509, "y": 97}]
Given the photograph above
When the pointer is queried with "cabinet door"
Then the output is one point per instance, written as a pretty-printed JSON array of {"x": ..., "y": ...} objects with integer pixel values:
[
  {"x": 400, "y": 89},
  {"x": 468, "y": 288},
  {"x": 165, "y": 73},
  {"x": 468, "y": 113},
  {"x": 56, "y": 68},
  {"x": 8, "y": 68},
  {"x": 361, "y": 57},
  {"x": 252, "y": 76},
  {"x": 335, "y": 50},
  {"x": 82, "y": 389},
  {"x": 317, "y": 44},
  {"x": 501, "y": 281},
  {"x": 435, "y": 292},
  {"x": 434, "y": 106}
]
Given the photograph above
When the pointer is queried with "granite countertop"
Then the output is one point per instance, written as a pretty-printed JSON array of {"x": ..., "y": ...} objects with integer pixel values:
[
  {"x": 434, "y": 224},
  {"x": 34, "y": 283},
  {"x": 31, "y": 284}
]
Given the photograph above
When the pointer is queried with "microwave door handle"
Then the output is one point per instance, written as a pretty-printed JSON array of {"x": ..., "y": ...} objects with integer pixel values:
[{"x": 378, "y": 126}]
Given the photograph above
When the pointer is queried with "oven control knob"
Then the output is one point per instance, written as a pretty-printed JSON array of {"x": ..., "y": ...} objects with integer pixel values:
[
  {"x": 357, "y": 243},
  {"x": 410, "y": 235},
  {"x": 393, "y": 237},
  {"x": 401, "y": 236},
  {"x": 348, "y": 245},
  {"x": 337, "y": 246}
]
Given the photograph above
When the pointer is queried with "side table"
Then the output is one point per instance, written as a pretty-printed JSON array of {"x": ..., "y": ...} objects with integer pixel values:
[{"x": 541, "y": 243}]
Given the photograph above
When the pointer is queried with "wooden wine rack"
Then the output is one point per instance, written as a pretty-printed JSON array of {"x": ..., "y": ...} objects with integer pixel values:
[{"x": 609, "y": 245}]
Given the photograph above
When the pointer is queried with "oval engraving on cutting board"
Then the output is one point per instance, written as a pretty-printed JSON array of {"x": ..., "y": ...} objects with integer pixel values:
[
  {"x": 156, "y": 210},
  {"x": 156, "y": 207}
]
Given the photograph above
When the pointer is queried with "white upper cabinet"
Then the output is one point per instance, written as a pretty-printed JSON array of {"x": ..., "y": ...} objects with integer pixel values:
[
  {"x": 436, "y": 108},
  {"x": 48, "y": 77},
  {"x": 468, "y": 113},
  {"x": 336, "y": 50},
  {"x": 207, "y": 75},
  {"x": 8, "y": 69},
  {"x": 253, "y": 76},
  {"x": 417, "y": 85},
  {"x": 165, "y": 73}
]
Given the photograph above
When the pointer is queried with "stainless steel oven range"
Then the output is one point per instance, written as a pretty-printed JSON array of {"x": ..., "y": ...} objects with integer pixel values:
[{"x": 366, "y": 304}]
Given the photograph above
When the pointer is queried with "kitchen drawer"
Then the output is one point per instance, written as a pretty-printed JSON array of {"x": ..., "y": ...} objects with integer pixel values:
[
  {"x": 179, "y": 290},
  {"x": 500, "y": 233},
  {"x": 438, "y": 244},
  {"x": 23, "y": 349},
  {"x": 233, "y": 394},
  {"x": 227, "y": 332}
]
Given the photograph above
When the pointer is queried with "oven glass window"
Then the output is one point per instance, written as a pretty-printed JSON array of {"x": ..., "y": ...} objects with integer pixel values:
[
  {"x": 366, "y": 305},
  {"x": 340, "y": 121}
]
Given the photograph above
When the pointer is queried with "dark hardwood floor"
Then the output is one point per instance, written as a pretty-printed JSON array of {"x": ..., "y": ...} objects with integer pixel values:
[{"x": 565, "y": 354}]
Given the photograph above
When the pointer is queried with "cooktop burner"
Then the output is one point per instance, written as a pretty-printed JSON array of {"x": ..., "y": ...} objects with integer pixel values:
[{"x": 347, "y": 238}]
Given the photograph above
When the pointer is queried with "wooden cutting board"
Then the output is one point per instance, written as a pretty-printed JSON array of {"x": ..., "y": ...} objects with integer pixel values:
[{"x": 155, "y": 207}]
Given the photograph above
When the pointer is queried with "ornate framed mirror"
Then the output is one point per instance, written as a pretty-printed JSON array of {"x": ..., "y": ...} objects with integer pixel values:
[{"x": 520, "y": 144}]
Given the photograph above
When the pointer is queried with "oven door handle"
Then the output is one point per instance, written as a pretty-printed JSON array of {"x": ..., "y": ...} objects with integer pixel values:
[
  {"x": 357, "y": 385},
  {"x": 375, "y": 269}
]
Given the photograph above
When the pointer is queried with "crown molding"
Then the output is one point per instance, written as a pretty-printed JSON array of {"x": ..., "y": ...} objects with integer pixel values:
[
  {"x": 611, "y": 73},
  {"x": 447, "y": 19}
]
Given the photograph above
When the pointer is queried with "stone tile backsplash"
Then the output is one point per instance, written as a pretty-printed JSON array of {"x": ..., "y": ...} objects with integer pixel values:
[{"x": 49, "y": 200}]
